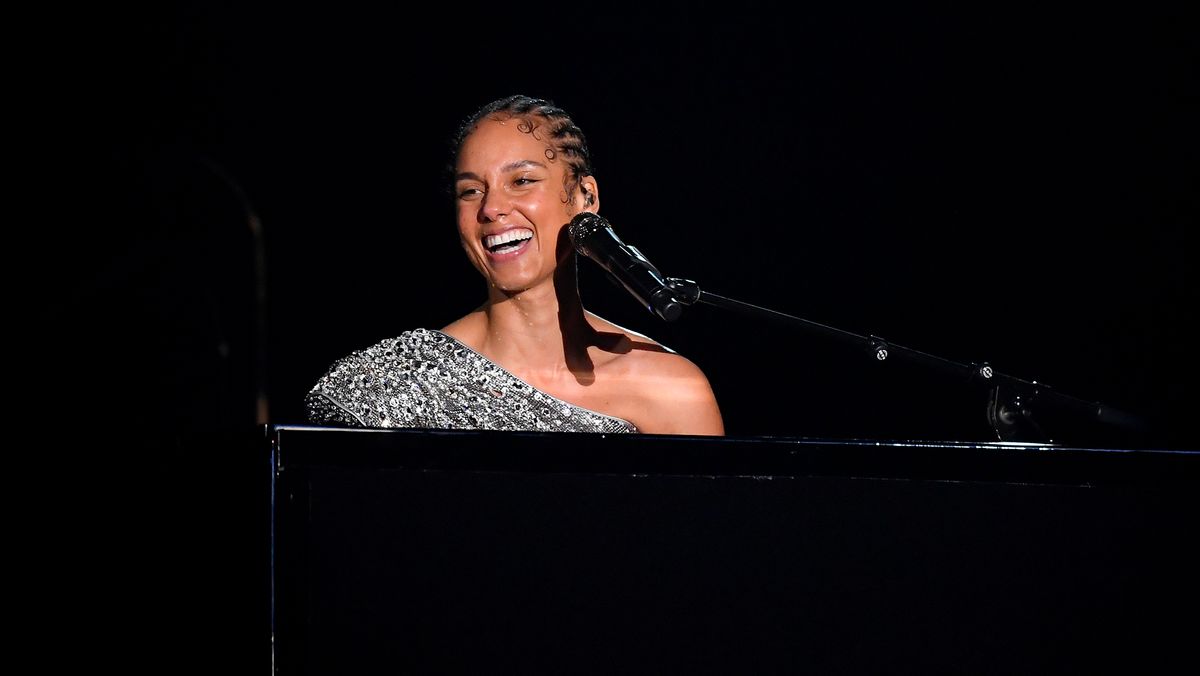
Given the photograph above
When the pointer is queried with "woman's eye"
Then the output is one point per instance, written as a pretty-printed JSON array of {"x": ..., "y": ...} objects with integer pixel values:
[
  {"x": 468, "y": 193},
  {"x": 525, "y": 181}
]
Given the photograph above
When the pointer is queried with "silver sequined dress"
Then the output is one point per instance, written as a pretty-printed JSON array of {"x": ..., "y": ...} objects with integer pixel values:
[{"x": 427, "y": 379}]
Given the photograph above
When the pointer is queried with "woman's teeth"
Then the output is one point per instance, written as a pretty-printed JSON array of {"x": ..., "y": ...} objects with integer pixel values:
[{"x": 507, "y": 241}]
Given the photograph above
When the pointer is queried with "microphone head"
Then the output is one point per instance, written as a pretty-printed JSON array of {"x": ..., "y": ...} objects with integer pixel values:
[{"x": 583, "y": 227}]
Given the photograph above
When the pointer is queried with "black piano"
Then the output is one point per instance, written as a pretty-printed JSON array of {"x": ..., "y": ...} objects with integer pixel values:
[{"x": 415, "y": 551}]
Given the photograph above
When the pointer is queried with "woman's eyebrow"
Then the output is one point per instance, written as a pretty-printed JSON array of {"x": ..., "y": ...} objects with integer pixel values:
[
  {"x": 511, "y": 166},
  {"x": 521, "y": 164}
]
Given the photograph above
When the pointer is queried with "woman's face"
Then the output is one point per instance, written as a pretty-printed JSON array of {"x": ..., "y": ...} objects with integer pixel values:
[{"x": 512, "y": 203}]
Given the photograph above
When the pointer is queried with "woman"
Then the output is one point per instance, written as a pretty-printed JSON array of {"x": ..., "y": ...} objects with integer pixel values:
[{"x": 531, "y": 357}]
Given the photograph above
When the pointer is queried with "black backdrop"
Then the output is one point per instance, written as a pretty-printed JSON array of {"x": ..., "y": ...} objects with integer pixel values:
[
  {"x": 987, "y": 184},
  {"x": 996, "y": 183}
]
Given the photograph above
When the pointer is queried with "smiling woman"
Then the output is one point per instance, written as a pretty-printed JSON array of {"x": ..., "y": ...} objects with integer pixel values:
[{"x": 530, "y": 357}]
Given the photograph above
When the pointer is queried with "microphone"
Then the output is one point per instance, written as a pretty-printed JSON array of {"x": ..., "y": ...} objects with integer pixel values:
[{"x": 593, "y": 237}]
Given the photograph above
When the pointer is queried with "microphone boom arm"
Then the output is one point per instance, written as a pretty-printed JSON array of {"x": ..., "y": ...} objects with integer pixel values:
[{"x": 1011, "y": 400}]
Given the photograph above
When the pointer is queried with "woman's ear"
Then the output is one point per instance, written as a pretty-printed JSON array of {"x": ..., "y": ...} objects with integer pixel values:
[{"x": 590, "y": 193}]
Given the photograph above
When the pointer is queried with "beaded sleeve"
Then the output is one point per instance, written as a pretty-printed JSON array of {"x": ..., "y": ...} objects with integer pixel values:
[{"x": 427, "y": 379}]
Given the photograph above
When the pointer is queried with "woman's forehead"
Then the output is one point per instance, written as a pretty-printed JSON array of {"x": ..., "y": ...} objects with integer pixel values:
[{"x": 502, "y": 142}]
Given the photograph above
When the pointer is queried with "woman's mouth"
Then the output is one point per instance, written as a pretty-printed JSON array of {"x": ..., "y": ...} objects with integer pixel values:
[{"x": 507, "y": 244}]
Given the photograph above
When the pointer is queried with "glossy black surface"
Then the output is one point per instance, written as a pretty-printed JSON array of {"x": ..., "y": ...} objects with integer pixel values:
[{"x": 431, "y": 551}]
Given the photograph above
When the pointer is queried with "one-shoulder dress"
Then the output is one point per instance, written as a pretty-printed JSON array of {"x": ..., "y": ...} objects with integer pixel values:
[{"x": 428, "y": 379}]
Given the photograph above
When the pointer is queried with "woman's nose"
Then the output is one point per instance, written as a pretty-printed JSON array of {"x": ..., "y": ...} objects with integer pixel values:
[{"x": 495, "y": 204}]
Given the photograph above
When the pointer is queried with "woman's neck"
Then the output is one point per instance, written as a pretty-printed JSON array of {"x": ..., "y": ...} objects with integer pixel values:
[{"x": 542, "y": 332}]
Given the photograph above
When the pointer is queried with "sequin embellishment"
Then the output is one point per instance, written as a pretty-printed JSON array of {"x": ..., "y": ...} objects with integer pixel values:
[{"x": 427, "y": 379}]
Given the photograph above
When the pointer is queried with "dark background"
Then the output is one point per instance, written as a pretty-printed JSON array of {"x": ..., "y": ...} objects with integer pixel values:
[
  {"x": 983, "y": 185},
  {"x": 1007, "y": 184}
]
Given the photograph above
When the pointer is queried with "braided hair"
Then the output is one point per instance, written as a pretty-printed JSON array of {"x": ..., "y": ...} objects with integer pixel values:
[{"x": 545, "y": 122}]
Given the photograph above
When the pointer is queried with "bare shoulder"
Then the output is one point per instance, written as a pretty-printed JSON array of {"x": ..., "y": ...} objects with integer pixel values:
[
  {"x": 621, "y": 340},
  {"x": 672, "y": 394}
]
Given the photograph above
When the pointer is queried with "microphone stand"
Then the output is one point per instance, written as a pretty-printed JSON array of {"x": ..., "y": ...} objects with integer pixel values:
[{"x": 1014, "y": 404}]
